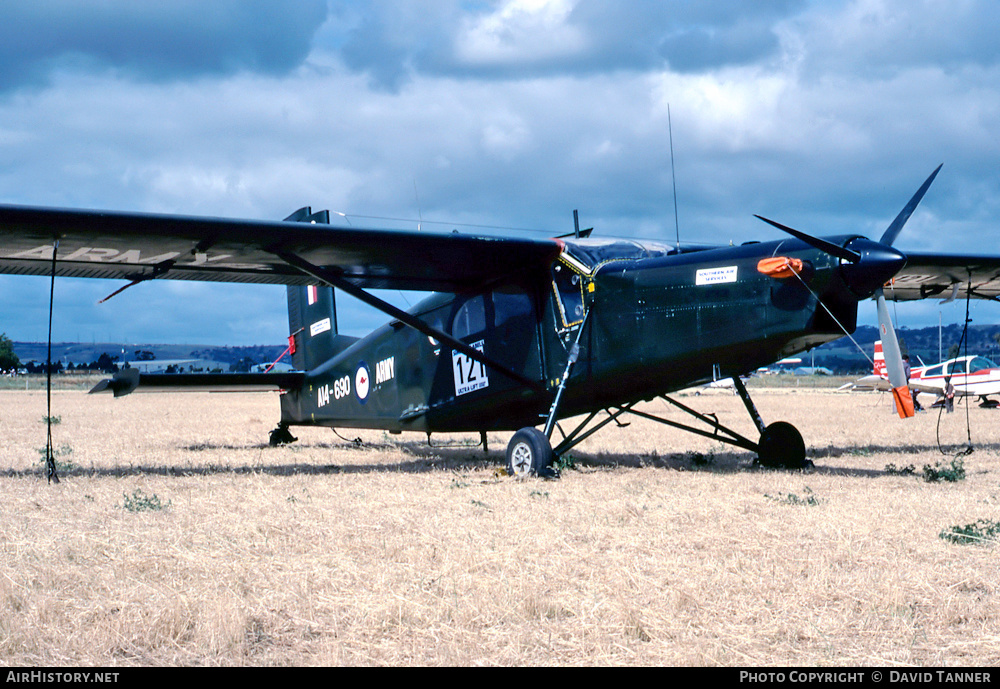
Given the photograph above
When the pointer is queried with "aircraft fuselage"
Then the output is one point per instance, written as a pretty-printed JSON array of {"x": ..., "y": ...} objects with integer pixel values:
[{"x": 654, "y": 321}]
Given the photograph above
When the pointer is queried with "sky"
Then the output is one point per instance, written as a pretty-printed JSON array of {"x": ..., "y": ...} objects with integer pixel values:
[{"x": 497, "y": 117}]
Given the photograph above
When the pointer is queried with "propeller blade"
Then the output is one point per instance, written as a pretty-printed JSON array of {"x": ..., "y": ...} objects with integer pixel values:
[
  {"x": 897, "y": 225},
  {"x": 816, "y": 242},
  {"x": 893, "y": 360}
]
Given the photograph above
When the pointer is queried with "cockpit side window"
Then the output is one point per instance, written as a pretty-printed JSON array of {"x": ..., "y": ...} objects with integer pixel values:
[
  {"x": 511, "y": 307},
  {"x": 567, "y": 285},
  {"x": 980, "y": 364},
  {"x": 470, "y": 318}
]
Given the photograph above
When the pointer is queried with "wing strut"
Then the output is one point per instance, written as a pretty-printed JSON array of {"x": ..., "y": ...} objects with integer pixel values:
[
  {"x": 574, "y": 354},
  {"x": 337, "y": 280}
]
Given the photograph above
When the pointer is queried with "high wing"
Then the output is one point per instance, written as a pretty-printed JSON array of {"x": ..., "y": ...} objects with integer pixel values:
[
  {"x": 140, "y": 246},
  {"x": 946, "y": 277}
]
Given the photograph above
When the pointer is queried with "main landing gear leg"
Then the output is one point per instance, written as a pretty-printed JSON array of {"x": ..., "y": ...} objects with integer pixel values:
[
  {"x": 780, "y": 444},
  {"x": 529, "y": 452}
]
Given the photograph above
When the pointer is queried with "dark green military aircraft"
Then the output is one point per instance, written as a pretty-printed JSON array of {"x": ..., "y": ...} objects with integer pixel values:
[{"x": 518, "y": 334}]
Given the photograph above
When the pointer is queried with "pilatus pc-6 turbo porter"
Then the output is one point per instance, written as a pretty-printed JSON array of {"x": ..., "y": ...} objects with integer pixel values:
[{"x": 518, "y": 333}]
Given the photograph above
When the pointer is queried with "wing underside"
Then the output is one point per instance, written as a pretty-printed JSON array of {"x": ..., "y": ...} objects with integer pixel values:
[
  {"x": 134, "y": 246},
  {"x": 946, "y": 277}
]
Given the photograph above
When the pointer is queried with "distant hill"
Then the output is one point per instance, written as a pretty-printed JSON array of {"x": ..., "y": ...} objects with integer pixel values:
[
  {"x": 840, "y": 356},
  {"x": 87, "y": 352},
  {"x": 843, "y": 357}
]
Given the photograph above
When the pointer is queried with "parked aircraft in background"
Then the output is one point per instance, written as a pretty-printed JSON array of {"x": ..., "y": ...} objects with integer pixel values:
[{"x": 973, "y": 376}]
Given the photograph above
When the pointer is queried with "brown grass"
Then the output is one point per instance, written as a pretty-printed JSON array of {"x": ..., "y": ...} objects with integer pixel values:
[{"x": 393, "y": 553}]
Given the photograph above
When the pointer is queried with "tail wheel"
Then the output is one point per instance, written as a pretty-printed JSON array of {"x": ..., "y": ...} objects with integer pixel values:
[
  {"x": 281, "y": 436},
  {"x": 781, "y": 446},
  {"x": 528, "y": 453}
]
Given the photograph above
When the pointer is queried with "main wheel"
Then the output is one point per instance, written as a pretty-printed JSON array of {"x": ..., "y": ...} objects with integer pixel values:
[
  {"x": 781, "y": 446},
  {"x": 528, "y": 453}
]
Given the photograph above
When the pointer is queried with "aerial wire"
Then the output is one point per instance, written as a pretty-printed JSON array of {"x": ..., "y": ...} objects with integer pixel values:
[
  {"x": 452, "y": 224},
  {"x": 673, "y": 177},
  {"x": 835, "y": 319},
  {"x": 964, "y": 340},
  {"x": 50, "y": 459},
  {"x": 420, "y": 214}
]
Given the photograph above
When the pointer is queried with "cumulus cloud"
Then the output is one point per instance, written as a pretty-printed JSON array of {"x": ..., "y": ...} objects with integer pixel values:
[
  {"x": 395, "y": 41},
  {"x": 520, "y": 32},
  {"x": 175, "y": 40},
  {"x": 878, "y": 38}
]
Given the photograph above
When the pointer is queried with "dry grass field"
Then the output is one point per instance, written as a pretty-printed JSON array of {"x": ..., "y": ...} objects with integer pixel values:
[{"x": 178, "y": 537}]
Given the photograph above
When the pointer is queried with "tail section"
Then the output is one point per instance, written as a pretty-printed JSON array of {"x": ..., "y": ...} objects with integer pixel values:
[
  {"x": 312, "y": 326},
  {"x": 312, "y": 314}
]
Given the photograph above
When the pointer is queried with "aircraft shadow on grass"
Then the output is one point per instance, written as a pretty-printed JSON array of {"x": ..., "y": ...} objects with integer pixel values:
[{"x": 463, "y": 457}]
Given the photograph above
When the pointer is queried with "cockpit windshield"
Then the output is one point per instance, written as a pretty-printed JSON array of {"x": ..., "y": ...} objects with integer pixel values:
[
  {"x": 980, "y": 363},
  {"x": 591, "y": 253}
]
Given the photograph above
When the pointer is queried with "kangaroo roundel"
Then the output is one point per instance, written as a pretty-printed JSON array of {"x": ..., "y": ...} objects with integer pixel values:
[{"x": 362, "y": 381}]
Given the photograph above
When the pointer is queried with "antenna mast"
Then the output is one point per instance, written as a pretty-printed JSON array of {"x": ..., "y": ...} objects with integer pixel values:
[
  {"x": 416, "y": 196},
  {"x": 673, "y": 177}
]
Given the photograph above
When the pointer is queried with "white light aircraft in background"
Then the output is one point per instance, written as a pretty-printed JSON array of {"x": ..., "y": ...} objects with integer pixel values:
[{"x": 972, "y": 375}]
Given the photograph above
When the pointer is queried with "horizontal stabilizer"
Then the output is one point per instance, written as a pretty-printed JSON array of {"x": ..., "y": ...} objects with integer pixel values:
[{"x": 130, "y": 380}]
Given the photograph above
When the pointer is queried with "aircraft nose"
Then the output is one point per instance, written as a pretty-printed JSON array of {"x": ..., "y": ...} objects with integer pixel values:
[{"x": 877, "y": 265}]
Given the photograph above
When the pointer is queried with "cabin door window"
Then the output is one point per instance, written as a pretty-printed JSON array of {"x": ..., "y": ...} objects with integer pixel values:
[
  {"x": 470, "y": 318},
  {"x": 469, "y": 325},
  {"x": 567, "y": 285}
]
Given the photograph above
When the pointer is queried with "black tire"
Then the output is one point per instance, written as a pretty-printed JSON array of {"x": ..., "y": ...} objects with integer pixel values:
[
  {"x": 781, "y": 447},
  {"x": 529, "y": 454}
]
